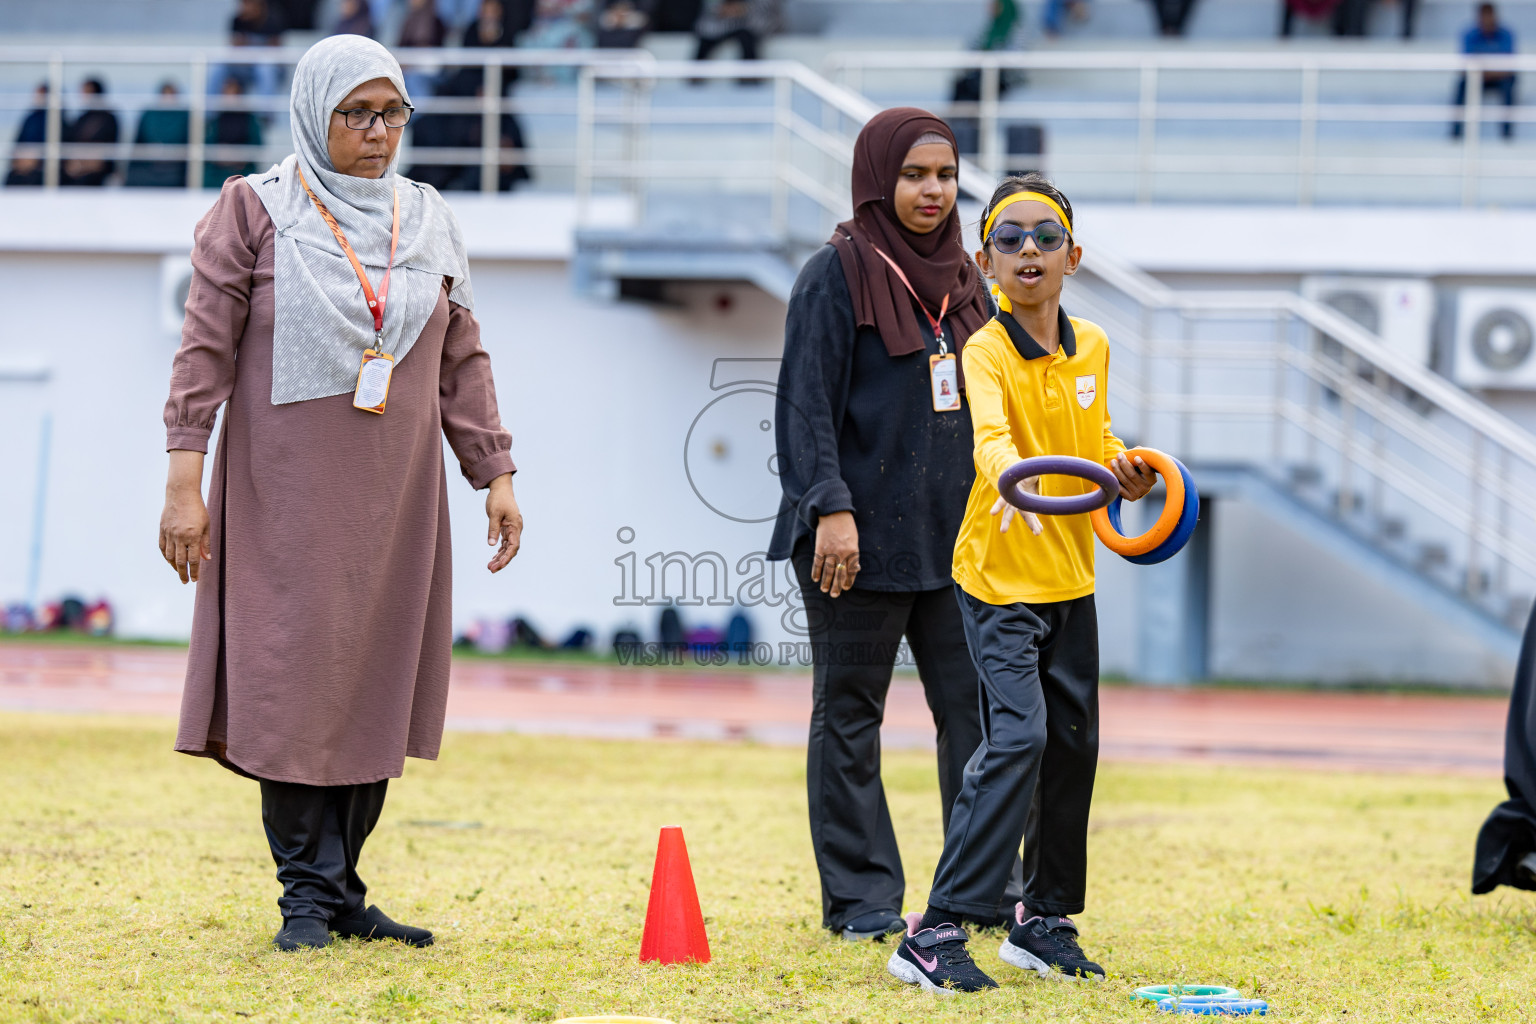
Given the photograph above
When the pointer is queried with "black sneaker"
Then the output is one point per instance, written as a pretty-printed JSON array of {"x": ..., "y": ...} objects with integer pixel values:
[
  {"x": 1527, "y": 868},
  {"x": 1048, "y": 946},
  {"x": 874, "y": 925},
  {"x": 302, "y": 933},
  {"x": 935, "y": 958},
  {"x": 373, "y": 925}
]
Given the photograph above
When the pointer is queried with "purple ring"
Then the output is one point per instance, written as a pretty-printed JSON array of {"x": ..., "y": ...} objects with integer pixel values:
[{"x": 1058, "y": 465}]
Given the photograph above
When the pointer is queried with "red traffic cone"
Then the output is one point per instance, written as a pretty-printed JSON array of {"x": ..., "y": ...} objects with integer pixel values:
[{"x": 674, "y": 925}]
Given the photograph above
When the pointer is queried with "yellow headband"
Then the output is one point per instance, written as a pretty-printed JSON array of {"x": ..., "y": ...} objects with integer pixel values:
[{"x": 1039, "y": 197}]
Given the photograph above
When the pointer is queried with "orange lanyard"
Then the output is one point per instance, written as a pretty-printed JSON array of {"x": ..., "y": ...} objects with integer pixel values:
[
  {"x": 375, "y": 302},
  {"x": 936, "y": 322}
]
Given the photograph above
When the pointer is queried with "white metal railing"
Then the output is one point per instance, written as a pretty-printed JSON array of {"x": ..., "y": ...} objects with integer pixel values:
[
  {"x": 773, "y": 158},
  {"x": 540, "y": 113},
  {"x": 1273, "y": 125}
]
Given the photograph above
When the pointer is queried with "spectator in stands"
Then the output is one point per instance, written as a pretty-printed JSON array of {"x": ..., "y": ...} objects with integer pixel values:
[
  {"x": 1484, "y": 38},
  {"x": 675, "y": 15},
  {"x": 1001, "y": 23},
  {"x": 423, "y": 28},
  {"x": 1172, "y": 15},
  {"x": 162, "y": 125},
  {"x": 561, "y": 25},
  {"x": 230, "y": 127},
  {"x": 298, "y": 15},
  {"x": 96, "y": 126},
  {"x": 746, "y": 22},
  {"x": 622, "y": 23},
  {"x": 27, "y": 154},
  {"x": 1348, "y": 15},
  {"x": 254, "y": 24},
  {"x": 494, "y": 27},
  {"x": 465, "y": 131},
  {"x": 355, "y": 20},
  {"x": 1057, "y": 10}
]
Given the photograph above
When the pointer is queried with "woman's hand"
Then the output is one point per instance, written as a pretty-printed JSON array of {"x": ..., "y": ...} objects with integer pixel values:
[
  {"x": 837, "y": 553},
  {"x": 506, "y": 522},
  {"x": 1029, "y": 485},
  {"x": 1135, "y": 476},
  {"x": 184, "y": 521}
]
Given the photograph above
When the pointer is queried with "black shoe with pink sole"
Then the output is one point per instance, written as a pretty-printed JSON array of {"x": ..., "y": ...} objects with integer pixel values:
[{"x": 937, "y": 960}]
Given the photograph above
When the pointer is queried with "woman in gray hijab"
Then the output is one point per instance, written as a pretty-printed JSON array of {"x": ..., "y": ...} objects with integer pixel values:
[{"x": 330, "y": 315}]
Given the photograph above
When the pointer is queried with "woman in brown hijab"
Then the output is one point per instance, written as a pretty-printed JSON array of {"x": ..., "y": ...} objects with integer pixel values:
[
  {"x": 874, "y": 453},
  {"x": 330, "y": 316}
]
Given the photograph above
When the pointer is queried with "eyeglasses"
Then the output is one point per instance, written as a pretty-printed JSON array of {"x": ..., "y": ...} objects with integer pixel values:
[
  {"x": 1008, "y": 237},
  {"x": 361, "y": 118}
]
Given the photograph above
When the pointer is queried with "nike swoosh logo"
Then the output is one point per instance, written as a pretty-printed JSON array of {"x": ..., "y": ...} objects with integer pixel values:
[{"x": 928, "y": 965}]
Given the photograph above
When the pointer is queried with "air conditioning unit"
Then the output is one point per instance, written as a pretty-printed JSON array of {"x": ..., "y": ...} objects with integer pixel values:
[
  {"x": 175, "y": 282},
  {"x": 1398, "y": 310},
  {"x": 1494, "y": 338}
]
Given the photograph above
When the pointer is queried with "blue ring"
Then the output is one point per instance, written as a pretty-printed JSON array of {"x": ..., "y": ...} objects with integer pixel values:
[
  {"x": 1215, "y": 1007},
  {"x": 1189, "y": 517}
]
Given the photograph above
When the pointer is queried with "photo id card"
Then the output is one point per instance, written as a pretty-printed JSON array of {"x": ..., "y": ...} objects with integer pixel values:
[
  {"x": 373, "y": 381},
  {"x": 944, "y": 374}
]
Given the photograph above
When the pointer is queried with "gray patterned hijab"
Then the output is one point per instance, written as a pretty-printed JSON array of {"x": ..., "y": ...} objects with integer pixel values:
[{"x": 322, "y": 323}]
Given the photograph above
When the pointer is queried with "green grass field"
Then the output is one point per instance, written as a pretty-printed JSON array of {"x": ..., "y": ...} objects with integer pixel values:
[{"x": 135, "y": 886}]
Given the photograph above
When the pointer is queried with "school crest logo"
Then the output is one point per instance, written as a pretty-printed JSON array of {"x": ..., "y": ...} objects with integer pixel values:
[{"x": 1087, "y": 390}]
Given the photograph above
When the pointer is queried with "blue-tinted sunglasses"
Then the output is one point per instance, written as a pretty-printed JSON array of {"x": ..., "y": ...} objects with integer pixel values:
[{"x": 1008, "y": 237}]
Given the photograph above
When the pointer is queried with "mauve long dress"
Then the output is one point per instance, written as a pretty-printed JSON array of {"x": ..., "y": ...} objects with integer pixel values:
[{"x": 322, "y": 626}]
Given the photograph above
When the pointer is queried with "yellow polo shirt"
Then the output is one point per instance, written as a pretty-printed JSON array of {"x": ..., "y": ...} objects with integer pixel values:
[{"x": 1025, "y": 402}]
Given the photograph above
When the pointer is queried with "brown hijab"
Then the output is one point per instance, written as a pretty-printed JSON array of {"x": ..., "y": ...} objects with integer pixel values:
[{"x": 936, "y": 263}]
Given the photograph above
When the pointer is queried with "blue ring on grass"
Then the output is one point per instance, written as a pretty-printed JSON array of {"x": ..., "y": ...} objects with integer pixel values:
[
  {"x": 1214, "y": 1006},
  {"x": 1155, "y": 993},
  {"x": 1189, "y": 517}
]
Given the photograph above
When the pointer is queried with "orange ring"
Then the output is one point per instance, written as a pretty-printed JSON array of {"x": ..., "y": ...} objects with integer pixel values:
[{"x": 1167, "y": 521}]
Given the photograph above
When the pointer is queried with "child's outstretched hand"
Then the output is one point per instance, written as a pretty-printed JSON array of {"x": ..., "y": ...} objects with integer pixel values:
[
  {"x": 1135, "y": 476},
  {"x": 1030, "y": 485}
]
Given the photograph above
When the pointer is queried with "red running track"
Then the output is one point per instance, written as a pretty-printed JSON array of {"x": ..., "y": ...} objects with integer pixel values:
[{"x": 1354, "y": 731}]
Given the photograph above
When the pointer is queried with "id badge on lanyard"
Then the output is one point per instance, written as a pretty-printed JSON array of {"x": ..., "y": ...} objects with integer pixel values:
[
  {"x": 378, "y": 367},
  {"x": 944, "y": 368}
]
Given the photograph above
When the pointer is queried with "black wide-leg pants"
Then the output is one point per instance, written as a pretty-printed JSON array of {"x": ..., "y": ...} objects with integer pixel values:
[
  {"x": 1031, "y": 778},
  {"x": 855, "y": 639},
  {"x": 316, "y": 834}
]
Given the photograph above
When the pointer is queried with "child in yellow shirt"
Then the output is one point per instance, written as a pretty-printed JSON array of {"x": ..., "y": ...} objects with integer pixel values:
[{"x": 1036, "y": 381}]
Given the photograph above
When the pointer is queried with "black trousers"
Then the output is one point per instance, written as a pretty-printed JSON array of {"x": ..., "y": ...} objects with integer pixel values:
[
  {"x": 316, "y": 834},
  {"x": 855, "y": 641},
  {"x": 1505, "y": 87},
  {"x": 745, "y": 37},
  {"x": 1172, "y": 15},
  {"x": 1031, "y": 779},
  {"x": 1509, "y": 834}
]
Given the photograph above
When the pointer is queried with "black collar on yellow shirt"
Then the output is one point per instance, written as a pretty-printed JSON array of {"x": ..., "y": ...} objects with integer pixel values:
[{"x": 1028, "y": 347}]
